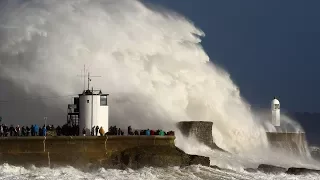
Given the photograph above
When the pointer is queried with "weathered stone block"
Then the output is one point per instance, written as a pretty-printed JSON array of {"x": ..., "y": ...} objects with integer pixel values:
[{"x": 201, "y": 130}]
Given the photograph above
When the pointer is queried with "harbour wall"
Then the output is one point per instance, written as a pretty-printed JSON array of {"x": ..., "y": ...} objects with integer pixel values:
[
  {"x": 284, "y": 141},
  {"x": 90, "y": 151},
  {"x": 292, "y": 142}
]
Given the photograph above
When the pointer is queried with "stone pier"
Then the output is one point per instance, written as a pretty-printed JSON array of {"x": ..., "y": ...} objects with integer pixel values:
[{"x": 87, "y": 151}]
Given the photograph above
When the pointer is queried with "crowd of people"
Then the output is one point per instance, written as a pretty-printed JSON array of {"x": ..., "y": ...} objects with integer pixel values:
[
  {"x": 36, "y": 130},
  {"x": 113, "y": 130},
  {"x": 73, "y": 130},
  {"x": 149, "y": 132}
]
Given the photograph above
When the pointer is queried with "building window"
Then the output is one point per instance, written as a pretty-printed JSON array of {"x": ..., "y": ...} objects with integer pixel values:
[
  {"x": 103, "y": 101},
  {"x": 87, "y": 101},
  {"x": 277, "y": 106}
]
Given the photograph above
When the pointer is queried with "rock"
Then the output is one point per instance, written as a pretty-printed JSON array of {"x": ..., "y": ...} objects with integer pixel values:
[
  {"x": 195, "y": 160},
  {"x": 215, "y": 167},
  {"x": 271, "y": 169},
  {"x": 160, "y": 156},
  {"x": 299, "y": 171},
  {"x": 252, "y": 170}
]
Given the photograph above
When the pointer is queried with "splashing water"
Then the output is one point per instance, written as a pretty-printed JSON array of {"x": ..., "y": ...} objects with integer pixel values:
[
  {"x": 287, "y": 123},
  {"x": 8, "y": 172}
]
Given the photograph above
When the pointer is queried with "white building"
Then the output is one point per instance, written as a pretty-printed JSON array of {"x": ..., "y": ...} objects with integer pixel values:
[
  {"x": 89, "y": 110},
  {"x": 275, "y": 111},
  {"x": 94, "y": 110}
]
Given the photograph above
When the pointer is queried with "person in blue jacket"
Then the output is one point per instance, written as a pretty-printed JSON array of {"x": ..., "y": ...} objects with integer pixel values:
[
  {"x": 44, "y": 131},
  {"x": 36, "y": 130},
  {"x": 148, "y": 132}
]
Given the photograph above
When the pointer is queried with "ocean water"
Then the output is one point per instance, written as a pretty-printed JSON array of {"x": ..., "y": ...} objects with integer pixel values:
[
  {"x": 196, "y": 172},
  {"x": 151, "y": 61}
]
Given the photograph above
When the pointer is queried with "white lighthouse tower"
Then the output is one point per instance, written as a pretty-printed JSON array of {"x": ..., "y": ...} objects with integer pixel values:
[
  {"x": 275, "y": 111},
  {"x": 93, "y": 109}
]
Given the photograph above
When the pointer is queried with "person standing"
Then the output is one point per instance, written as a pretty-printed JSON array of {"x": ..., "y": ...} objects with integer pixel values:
[
  {"x": 44, "y": 131},
  {"x": 84, "y": 132},
  {"x": 92, "y": 130},
  {"x": 97, "y": 130},
  {"x": 1, "y": 131},
  {"x": 36, "y": 130},
  {"x": 101, "y": 131}
]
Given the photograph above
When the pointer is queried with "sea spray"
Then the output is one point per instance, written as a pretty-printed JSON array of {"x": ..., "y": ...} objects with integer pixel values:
[
  {"x": 9, "y": 172},
  {"x": 151, "y": 62}
]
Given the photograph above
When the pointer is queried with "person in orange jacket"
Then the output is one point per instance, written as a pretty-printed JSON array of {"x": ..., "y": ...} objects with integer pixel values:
[{"x": 101, "y": 131}]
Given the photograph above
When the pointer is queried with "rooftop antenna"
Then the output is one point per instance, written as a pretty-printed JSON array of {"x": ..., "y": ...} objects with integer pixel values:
[
  {"x": 86, "y": 76},
  {"x": 89, "y": 79}
]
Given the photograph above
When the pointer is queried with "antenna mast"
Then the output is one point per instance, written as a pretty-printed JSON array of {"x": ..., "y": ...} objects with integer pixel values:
[
  {"x": 89, "y": 79},
  {"x": 84, "y": 77}
]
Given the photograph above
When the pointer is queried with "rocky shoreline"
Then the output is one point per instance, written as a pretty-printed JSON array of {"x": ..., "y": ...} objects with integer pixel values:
[{"x": 270, "y": 169}]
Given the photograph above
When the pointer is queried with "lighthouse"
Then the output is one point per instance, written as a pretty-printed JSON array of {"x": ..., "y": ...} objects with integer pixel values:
[
  {"x": 275, "y": 111},
  {"x": 90, "y": 109},
  {"x": 94, "y": 110}
]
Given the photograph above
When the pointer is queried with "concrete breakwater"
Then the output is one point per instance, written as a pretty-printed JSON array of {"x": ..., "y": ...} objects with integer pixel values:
[
  {"x": 293, "y": 142},
  {"x": 108, "y": 152}
]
